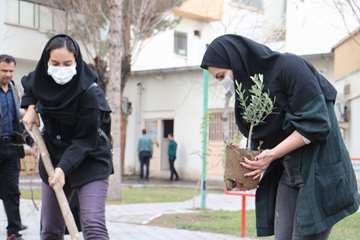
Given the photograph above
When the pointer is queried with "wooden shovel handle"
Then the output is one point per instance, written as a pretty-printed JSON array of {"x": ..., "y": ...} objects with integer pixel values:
[{"x": 59, "y": 192}]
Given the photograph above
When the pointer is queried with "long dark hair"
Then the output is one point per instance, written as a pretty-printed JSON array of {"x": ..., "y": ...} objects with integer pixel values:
[{"x": 61, "y": 42}]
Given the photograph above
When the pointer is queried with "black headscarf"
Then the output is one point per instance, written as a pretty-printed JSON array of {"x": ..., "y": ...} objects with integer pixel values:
[
  {"x": 52, "y": 96},
  {"x": 282, "y": 73}
]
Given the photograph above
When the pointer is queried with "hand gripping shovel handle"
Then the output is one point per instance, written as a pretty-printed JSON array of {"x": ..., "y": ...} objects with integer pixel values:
[{"x": 59, "y": 192}]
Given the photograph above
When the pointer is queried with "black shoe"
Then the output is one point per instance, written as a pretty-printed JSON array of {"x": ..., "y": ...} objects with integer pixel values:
[
  {"x": 23, "y": 227},
  {"x": 14, "y": 236}
]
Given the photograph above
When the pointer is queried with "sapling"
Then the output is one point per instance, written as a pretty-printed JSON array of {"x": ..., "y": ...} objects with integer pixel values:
[{"x": 257, "y": 106}]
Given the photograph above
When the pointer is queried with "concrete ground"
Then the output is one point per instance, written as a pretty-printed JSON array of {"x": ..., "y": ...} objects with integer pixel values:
[{"x": 128, "y": 221}]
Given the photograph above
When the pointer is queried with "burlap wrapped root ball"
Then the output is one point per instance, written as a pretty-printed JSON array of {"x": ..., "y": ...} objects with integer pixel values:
[{"x": 234, "y": 172}]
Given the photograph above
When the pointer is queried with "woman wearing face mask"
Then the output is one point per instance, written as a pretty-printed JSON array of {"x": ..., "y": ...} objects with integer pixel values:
[
  {"x": 62, "y": 90},
  {"x": 308, "y": 183}
]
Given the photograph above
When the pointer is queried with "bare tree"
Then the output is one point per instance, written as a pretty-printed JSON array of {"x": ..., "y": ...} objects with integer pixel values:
[
  {"x": 142, "y": 19},
  {"x": 114, "y": 93},
  {"x": 346, "y": 6},
  {"x": 259, "y": 26},
  {"x": 89, "y": 22}
]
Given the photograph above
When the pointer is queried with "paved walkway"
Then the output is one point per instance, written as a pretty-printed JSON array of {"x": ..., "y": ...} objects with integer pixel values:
[
  {"x": 143, "y": 213},
  {"x": 126, "y": 222}
]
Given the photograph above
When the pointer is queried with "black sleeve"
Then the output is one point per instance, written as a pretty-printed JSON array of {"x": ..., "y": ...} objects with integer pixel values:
[
  {"x": 86, "y": 135},
  {"x": 307, "y": 112},
  {"x": 28, "y": 98}
]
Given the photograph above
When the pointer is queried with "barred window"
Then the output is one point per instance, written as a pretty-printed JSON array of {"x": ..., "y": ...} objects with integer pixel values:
[{"x": 216, "y": 127}]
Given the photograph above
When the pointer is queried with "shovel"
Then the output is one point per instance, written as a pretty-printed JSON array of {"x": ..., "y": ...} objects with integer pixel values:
[{"x": 59, "y": 192}]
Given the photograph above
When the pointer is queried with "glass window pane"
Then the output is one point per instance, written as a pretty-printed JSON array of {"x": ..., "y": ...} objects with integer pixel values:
[
  {"x": 180, "y": 43},
  {"x": 27, "y": 14},
  {"x": 59, "y": 21},
  {"x": 46, "y": 19},
  {"x": 12, "y": 11},
  {"x": 36, "y": 16},
  {"x": 257, "y": 4}
]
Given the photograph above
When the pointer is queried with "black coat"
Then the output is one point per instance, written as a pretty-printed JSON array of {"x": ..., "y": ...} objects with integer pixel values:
[
  {"x": 304, "y": 102},
  {"x": 72, "y": 117},
  {"x": 74, "y": 142}
]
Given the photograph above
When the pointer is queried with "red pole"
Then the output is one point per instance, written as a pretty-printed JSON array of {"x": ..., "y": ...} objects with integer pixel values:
[
  {"x": 243, "y": 215},
  {"x": 243, "y": 209}
]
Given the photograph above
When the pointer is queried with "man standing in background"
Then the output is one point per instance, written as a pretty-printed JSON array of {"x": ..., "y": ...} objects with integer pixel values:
[
  {"x": 172, "y": 156},
  {"x": 145, "y": 151},
  {"x": 11, "y": 148}
]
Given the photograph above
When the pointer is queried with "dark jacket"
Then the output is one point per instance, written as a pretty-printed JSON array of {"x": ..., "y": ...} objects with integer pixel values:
[
  {"x": 74, "y": 142},
  {"x": 172, "y": 148},
  {"x": 18, "y": 126},
  {"x": 303, "y": 102},
  {"x": 330, "y": 190}
]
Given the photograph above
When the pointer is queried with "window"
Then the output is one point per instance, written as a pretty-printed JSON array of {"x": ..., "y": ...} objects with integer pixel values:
[
  {"x": 45, "y": 19},
  {"x": 254, "y": 4},
  {"x": 151, "y": 127},
  {"x": 180, "y": 43},
  {"x": 59, "y": 21},
  {"x": 216, "y": 128},
  {"x": 32, "y": 15},
  {"x": 12, "y": 11},
  {"x": 27, "y": 14}
]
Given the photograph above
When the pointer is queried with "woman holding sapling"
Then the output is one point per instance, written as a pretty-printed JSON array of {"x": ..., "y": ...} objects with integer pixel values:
[{"x": 308, "y": 182}]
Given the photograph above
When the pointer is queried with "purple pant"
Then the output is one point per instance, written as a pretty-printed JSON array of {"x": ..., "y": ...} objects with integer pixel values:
[{"x": 92, "y": 197}]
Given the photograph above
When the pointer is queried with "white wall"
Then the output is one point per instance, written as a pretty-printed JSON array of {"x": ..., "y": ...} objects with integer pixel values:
[
  {"x": 177, "y": 96},
  {"x": 352, "y": 134},
  {"x": 324, "y": 63},
  {"x": 23, "y": 43},
  {"x": 312, "y": 27},
  {"x": 158, "y": 52}
]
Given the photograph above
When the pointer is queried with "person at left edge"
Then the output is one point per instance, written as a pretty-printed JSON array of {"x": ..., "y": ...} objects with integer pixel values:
[{"x": 11, "y": 146}]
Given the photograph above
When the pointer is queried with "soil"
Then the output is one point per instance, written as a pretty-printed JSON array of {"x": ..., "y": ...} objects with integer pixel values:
[{"x": 234, "y": 172}]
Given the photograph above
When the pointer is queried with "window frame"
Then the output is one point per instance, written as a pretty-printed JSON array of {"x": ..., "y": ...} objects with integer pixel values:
[
  {"x": 178, "y": 34},
  {"x": 36, "y": 17},
  {"x": 246, "y": 4}
]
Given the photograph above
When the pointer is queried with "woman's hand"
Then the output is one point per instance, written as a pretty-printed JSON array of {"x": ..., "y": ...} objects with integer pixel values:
[
  {"x": 30, "y": 118},
  {"x": 33, "y": 151},
  {"x": 58, "y": 178},
  {"x": 259, "y": 165},
  {"x": 262, "y": 161}
]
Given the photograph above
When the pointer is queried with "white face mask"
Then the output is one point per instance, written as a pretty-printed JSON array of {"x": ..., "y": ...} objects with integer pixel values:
[
  {"x": 62, "y": 75},
  {"x": 228, "y": 84}
]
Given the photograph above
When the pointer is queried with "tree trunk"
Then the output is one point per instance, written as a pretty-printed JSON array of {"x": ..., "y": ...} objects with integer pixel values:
[
  {"x": 248, "y": 147},
  {"x": 125, "y": 74},
  {"x": 123, "y": 140},
  {"x": 101, "y": 69},
  {"x": 114, "y": 93}
]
